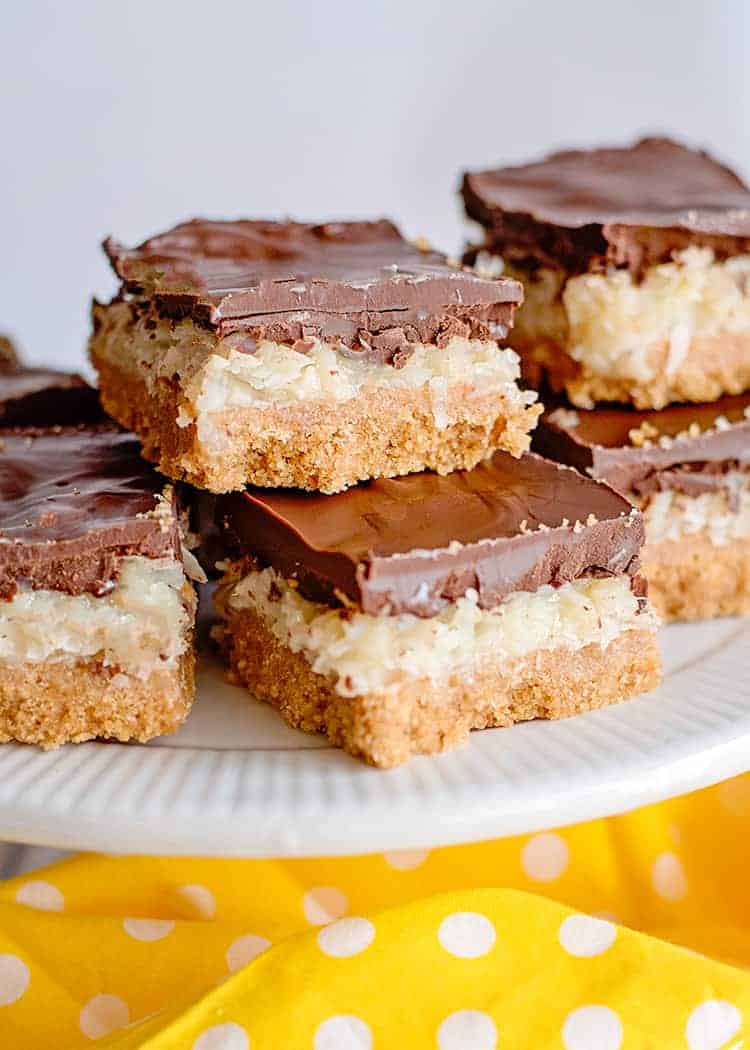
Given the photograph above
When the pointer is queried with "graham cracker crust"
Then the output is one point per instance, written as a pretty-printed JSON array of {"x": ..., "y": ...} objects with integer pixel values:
[
  {"x": 692, "y": 579},
  {"x": 712, "y": 367},
  {"x": 55, "y": 702},
  {"x": 425, "y": 717},
  {"x": 319, "y": 446}
]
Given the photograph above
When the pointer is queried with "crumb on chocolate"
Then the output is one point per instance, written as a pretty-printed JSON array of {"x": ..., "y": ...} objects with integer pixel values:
[
  {"x": 641, "y": 436},
  {"x": 566, "y": 417},
  {"x": 631, "y": 518},
  {"x": 488, "y": 265},
  {"x": 162, "y": 513}
]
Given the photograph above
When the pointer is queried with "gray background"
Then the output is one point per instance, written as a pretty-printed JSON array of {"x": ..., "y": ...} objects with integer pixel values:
[{"x": 125, "y": 117}]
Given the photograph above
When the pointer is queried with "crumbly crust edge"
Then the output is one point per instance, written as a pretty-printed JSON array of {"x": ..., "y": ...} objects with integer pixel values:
[{"x": 387, "y": 728}]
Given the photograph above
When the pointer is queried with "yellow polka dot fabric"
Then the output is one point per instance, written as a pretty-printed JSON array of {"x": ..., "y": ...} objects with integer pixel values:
[{"x": 631, "y": 933}]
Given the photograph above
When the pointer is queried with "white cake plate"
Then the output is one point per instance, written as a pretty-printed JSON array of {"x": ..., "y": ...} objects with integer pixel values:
[{"x": 235, "y": 781}]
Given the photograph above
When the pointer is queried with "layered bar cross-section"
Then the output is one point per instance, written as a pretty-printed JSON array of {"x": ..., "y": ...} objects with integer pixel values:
[
  {"x": 687, "y": 468},
  {"x": 399, "y": 615},
  {"x": 96, "y": 613},
  {"x": 636, "y": 269},
  {"x": 314, "y": 356}
]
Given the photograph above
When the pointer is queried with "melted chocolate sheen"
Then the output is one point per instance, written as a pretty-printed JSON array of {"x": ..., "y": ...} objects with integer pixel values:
[
  {"x": 386, "y": 544},
  {"x": 692, "y": 479},
  {"x": 600, "y": 443},
  {"x": 42, "y": 397},
  {"x": 70, "y": 506},
  {"x": 585, "y": 209},
  {"x": 38, "y": 397},
  {"x": 346, "y": 281}
]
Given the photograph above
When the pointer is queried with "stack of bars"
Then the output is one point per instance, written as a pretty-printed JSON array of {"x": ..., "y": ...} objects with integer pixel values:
[
  {"x": 344, "y": 418},
  {"x": 398, "y": 569},
  {"x": 636, "y": 332},
  {"x": 96, "y": 613}
]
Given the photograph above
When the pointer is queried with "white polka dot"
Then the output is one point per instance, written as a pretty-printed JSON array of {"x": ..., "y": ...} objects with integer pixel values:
[
  {"x": 712, "y": 1024},
  {"x": 148, "y": 929},
  {"x": 41, "y": 895},
  {"x": 346, "y": 937},
  {"x": 229, "y": 1036},
  {"x": 343, "y": 1032},
  {"x": 668, "y": 877},
  {"x": 200, "y": 898},
  {"x": 584, "y": 936},
  {"x": 466, "y": 934},
  {"x": 324, "y": 904},
  {"x": 592, "y": 1028},
  {"x": 467, "y": 1030},
  {"x": 545, "y": 857},
  {"x": 244, "y": 950},
  {"x": 734, "y": 796},
  {"x": 406, "y": 859},
  {"x": 14, "y": 979},
  {"x": 103, "y": 1014}
]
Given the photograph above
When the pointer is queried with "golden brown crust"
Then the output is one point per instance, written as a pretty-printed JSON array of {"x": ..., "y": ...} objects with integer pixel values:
[
  {"x": 54, "y": 702},
  {"x": 713, "y": 366},
  {"x": 381, "y": 433},
  {"x": 424, "y": 717},
  {"x": 692, "y": 579}
]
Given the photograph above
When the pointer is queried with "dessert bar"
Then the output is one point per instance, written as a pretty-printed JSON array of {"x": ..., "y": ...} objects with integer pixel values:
[
  {"x": 96, "y": 614},
  {"x": 399, "y": 615},
  {"x": 687, "y": 468},
  {"x": 289, "y": 354},
  {"x": 636, "y": 269},
  {"x": 40, "y": 397}
]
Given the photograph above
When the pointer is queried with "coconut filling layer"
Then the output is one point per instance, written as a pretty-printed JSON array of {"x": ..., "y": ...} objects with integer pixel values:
[
  {"x": 216, "y": 377},
  {"x": 275, "y": 374},
  {"x": 141, "y": 625},
  {"x": 609, "y": 322},
  {"x": 363, "y": 653},
  {"x": 720, "y": 516}
]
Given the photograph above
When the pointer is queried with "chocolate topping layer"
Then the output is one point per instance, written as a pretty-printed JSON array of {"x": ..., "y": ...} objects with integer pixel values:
[
  {"x": 418, "y": 543},
  {"x": 631, "y": 207},
  {"x": 73, "y": 502},
  {"x": 39, "y": 397},
  {"x": 42, "y": 397},
  {"x": 357, "y": 283},
  {"x": 628, "y": 449}
]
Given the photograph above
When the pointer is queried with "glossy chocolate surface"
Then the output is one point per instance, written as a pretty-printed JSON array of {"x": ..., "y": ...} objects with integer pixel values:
[
  {"x": 628, "y": 449},
  {"x": 73, "y": 501},
  {"x": 357, "y": 283},
  {"x": 40, "y": 397},
  {"x": 586, "y": 209},
  {"x": 416, "y": 544}
]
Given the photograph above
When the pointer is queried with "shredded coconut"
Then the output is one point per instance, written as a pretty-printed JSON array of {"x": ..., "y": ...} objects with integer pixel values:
[
  {"x": 139, "y": 625},
  {"x": 670, "y": 515},
  {"x": 365, "y": 653},
  {"x": 609, "y": 322}
]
